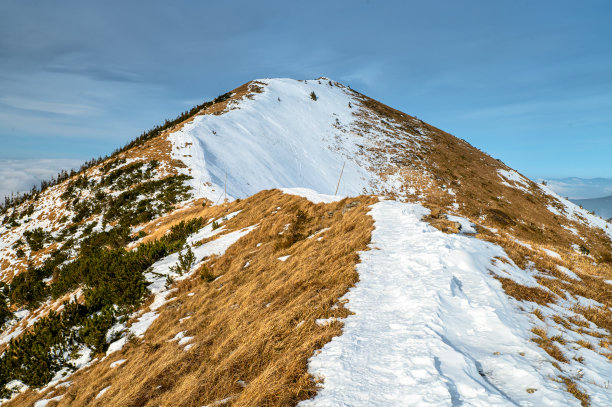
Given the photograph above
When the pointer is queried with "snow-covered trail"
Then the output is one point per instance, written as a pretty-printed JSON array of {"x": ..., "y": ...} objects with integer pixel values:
[{"x": 431, "y": 327}]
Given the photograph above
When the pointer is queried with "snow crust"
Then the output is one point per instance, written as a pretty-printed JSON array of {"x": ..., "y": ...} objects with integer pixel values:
[
  {"x": 311, "y": 195},
  {"x": 282, "y": 137},
  {"x": 431, "y": 327}
]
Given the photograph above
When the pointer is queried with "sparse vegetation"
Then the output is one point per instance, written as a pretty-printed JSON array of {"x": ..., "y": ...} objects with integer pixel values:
[
  {"x": 37, "y": 238},
  {"x": 114, "y": 285},
  {"x": 206, "y": 274},
  {"x": 15, "y": 200}
]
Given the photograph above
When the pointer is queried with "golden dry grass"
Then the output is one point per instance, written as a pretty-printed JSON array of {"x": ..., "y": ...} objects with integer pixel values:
[
  {"x": 254, "y": 327},
  {"x": 573, "y": 389},
  {"x": 548, "y": 344}
]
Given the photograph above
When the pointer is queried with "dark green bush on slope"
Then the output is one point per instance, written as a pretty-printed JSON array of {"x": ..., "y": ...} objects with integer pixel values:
[
  {"x": 114, "y": 284},
  {"x": 37, "y": 238}
]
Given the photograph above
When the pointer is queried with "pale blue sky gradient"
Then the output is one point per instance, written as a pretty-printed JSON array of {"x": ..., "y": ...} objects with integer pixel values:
[{"x": 529, "y": 82}]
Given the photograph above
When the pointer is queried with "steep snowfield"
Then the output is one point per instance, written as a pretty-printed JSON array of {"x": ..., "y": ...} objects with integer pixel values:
[
  {"x": 432, "y": 327},
  {"x": 280, "y": 138}
]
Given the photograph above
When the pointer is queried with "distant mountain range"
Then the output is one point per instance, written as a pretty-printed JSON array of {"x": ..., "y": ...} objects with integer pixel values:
[
  {"x": 601, "y": 206},
  {"x": 594, "y": 194}
]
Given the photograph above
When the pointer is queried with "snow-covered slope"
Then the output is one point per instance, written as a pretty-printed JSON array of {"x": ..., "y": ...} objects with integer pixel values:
[
  {"x": 601, "y": 206},
  {"x": 282, "y": 137},
  {"x": 432, "y": 327}
]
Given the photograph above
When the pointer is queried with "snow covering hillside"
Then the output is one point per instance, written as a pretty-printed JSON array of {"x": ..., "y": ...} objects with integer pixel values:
[
  {"x": 279, "y": 138},
  {"x": 572, "y": 211},
  {"x": 432, "y": 327}
]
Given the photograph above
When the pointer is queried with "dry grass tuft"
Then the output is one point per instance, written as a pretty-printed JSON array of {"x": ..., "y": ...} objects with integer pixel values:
[
  {"x": 524, "y": 293},
  {"x": 538, "y": 314},
  {"x": 547, "y": 344},
  {"x": 437, "y": 218},
  {"x": 584, "y": 344},
  {"x": 573, "y": 388}
]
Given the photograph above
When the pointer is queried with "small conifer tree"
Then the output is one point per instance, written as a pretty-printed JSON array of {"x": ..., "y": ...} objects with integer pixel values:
[
  {"x": 185, "y": 262},
  {"x": 313, "y": 95}
]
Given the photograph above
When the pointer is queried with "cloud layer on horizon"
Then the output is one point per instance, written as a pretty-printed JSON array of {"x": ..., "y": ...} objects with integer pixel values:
[
  {"x": 18, "y": 176},
  {"x": 581, "y": 188}
]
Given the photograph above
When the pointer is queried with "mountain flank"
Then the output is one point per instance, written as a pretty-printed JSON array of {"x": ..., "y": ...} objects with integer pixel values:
[{"x": 296, "y": 242}]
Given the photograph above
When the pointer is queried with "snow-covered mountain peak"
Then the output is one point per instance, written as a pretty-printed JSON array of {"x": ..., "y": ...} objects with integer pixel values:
[{"x": 289, "y": 133}]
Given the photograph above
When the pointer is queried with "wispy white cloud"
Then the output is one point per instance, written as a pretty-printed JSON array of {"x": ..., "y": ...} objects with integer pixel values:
[
  {"x": 20, "y": 175},
  {"x": 538, "y": 107},
  {"x": 47, "y": 107}
]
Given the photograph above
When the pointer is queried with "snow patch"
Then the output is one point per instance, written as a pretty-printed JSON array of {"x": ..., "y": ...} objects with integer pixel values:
[
  {"x": 516, "y": 179},
  {"x": 117, "y": 363},
  {"x": 101, "y": 393},
  {"x": 311, "y": 195},
  {"x": 45, "y": 402}
]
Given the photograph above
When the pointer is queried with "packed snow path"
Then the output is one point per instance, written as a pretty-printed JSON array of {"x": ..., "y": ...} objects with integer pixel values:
[{"x": 431, "y": 327}]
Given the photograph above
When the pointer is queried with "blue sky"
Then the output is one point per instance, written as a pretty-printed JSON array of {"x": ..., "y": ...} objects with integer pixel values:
[{"x": 529, "y": 82}]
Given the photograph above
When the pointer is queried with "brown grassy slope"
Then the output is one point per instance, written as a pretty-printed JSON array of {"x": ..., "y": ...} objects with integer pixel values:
[
  {"x": 479, "y": 192},
  {"x": 254, "y": 327}
]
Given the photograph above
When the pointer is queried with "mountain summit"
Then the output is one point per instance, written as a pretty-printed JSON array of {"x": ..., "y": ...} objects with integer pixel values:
[{"x": 296, "y": 242}]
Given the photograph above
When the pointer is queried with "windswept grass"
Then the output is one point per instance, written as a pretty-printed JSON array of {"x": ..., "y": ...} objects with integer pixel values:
[{"x": 253, "y": 326}]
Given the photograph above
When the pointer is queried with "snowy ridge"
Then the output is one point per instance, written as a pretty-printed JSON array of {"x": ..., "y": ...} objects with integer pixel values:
[
  {"x": 431, "y": 324},
  {"x": 281, "y": 138},
  {"x": 433, "y": 327}
]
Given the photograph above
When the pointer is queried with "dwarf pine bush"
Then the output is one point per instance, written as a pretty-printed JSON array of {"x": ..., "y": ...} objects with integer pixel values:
[
  {"x": 114, "y": 285},
  {"x": 185, "y": 262}
]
